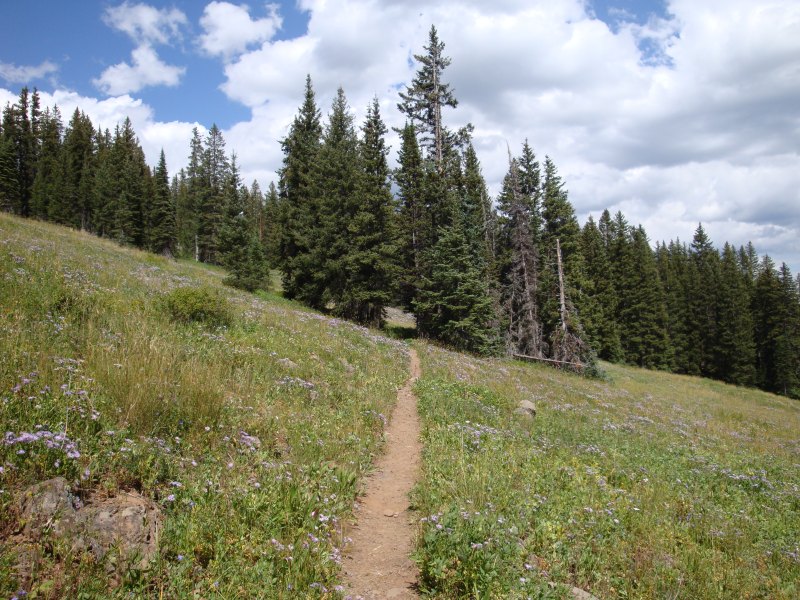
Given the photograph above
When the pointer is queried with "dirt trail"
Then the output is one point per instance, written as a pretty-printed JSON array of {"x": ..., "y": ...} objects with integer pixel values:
[{"x": 378, "y": 564}]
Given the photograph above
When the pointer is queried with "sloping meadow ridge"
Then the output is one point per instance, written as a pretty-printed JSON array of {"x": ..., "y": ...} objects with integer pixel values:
[{"x": 247, "y": 428}]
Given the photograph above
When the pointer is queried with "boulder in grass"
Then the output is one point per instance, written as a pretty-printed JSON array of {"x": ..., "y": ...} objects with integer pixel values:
[
  {"x": 526, "y": 408},
  {"x": 128, "y": 523}
]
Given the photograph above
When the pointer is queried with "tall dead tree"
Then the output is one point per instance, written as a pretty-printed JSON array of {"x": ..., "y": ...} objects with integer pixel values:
[
  {"x": 568, "y": 344},
  {"x": 525, "y": 328}
]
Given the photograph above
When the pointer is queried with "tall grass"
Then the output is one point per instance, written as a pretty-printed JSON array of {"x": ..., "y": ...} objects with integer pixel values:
[
  {"x": 649, "y": 485},
  {"x": 251, "y": 437}
]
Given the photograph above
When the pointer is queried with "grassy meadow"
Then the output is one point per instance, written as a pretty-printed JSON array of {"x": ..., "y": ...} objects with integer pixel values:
[
  {"x": 645, "y": 485},
  {"x": 250, "y": 421},
  {"x": 250, "y": 426}
]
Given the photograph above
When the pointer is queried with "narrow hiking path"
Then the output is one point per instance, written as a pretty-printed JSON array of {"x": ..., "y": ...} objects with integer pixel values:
[{"x": 378, "y": 564}]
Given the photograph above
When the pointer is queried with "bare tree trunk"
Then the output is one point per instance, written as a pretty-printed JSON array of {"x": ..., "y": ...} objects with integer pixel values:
[
  {"x": 196, "y": 249},
  {"x": 437, "y": 126},
  {"x": 561, "y": 296}
]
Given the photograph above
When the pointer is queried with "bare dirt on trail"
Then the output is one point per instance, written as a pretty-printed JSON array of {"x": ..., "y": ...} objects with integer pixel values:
[{"x": 377, "y": 565}]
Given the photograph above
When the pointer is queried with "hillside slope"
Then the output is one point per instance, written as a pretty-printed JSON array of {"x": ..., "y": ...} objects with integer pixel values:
[
  {"x": 250, "y": 427},
  {"x": 249, "y": 437},
  {"x": 649, "y": 485}
]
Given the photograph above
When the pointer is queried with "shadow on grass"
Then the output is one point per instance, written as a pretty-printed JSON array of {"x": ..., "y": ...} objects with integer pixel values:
[{"x": 400, "y": 332}]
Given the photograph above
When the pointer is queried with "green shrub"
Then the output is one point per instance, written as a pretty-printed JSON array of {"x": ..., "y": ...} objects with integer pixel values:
[{"x": 199, "y": 305}]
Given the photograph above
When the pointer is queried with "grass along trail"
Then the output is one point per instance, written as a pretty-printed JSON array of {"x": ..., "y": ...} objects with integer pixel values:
[{"x": 379, "y": 564}]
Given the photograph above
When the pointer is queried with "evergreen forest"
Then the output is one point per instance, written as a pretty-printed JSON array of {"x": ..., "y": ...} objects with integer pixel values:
[{"x": 350, "y": 235}]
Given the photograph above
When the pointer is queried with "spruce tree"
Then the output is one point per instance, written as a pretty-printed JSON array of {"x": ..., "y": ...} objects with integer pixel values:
[
  {"x": 321, "y": 273},
  {"x": 411, "y": 228},
  {"x": 162, "y": 213},
  {"x": 9, "y": 185},
  {"x": 79, "y": 159},
  {"x": 599, "y": 313},
  {"x": 559, "y": 225},
  {"x": 479, "y": 215},
  {"x": 272, "y": 231},
  {"x": 704, "y": 283},
  {"x": 106, "y": 185},
  {"x": 215, "y": 170},
  {"x": 735, "y": 349},
  {"x": 453, "y": 303},
  {"x": 47, "y": 197},
  {"x": 675, "y": 267},
  {"x": 370, "y": 263},
  {"x": 298, "y": 212},
  {"x": 769, "y": 321},
  {"x": 191, "y": 191},
  {"x": 525, "y": 334},
  {"x": 641, "y": 308},
  {"x": 559, "y": 219},
  {"x": 428, "y": 94}
]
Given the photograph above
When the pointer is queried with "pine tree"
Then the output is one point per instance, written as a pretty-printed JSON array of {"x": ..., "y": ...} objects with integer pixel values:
[
  {"x": 703, "y": 302},
  {"x": 641, "y": 309},
  {"x": 599, "y": 313},
  {"x": 79, "y": 159},
  {"x": 735, "y": 348},
  {"x": 453, "y": 303},
  {"x": 298, "y": 204},
  {"x": 9, "y": 185},
  {"x": 215, "y": 170},
  {"x": 525, "y": 334},
  {"x": 411, "y": 228},
  {"x": 162, "y": 213},
  {"x": 47, "y": 198},
  {"x": 675, "y": 267},
  {"x": 428, "y": 94},
  {"x": 370, "y": 266}
]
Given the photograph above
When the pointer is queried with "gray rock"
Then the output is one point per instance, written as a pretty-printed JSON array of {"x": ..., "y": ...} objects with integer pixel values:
[
  {"x": 579, "y": 594},
  {"x": 526, "y": 408},
  {"x": 47, "y": 507},
  {"x": 128, "y": 523}
]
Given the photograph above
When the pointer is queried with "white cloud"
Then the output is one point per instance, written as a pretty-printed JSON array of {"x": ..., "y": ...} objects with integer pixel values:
[
  {"x": 144, "y": 23},
  {"x": 24, "y": 74},
  {"x": 147, "y": 69},
  {"x": 229, "y": 30},
  {"x": 692, "y": 116},
  {"x": 146, "y": 26}
]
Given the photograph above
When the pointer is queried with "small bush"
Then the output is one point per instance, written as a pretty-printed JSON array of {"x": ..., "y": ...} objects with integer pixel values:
[{"x": 199, "y": 305}]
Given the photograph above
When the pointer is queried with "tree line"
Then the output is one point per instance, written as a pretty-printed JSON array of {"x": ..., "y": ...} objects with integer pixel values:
[{"x": 516, "y": 274}]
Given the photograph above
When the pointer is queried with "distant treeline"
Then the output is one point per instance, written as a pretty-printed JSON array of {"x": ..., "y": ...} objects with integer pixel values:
[{"x": 516, "y": 275}]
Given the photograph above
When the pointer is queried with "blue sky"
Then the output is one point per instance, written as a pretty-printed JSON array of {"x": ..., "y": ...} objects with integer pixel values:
[{"x": 674, "y": 112}]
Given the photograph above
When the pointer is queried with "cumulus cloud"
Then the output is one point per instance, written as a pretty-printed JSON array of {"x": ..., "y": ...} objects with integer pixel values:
[
  {"x": 689, "y": 115},
  {"x": 144, "y": 23},
  {"x": 147, "y": 69},
  {"x": 229, "y": 29},
  {"x": 686, "y": 116},
  {"x": 146, "y": 26},
  {"x": 24, "y": 74}
]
